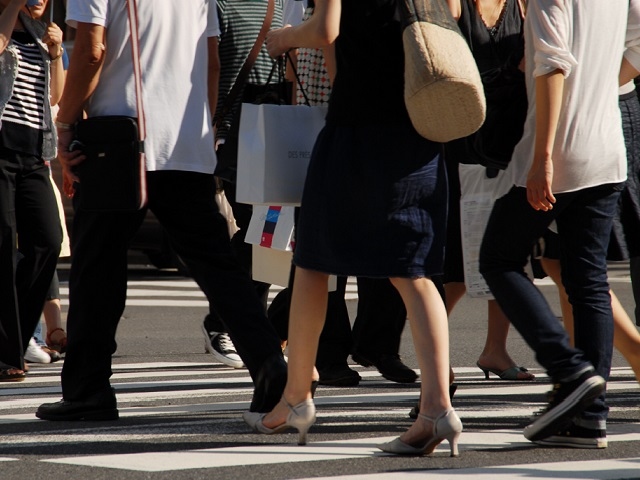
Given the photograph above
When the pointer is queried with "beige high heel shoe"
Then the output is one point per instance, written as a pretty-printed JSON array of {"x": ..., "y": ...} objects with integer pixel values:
[
  {"x": 300, "y": 417},
  {"x": 446, "y": 426}
]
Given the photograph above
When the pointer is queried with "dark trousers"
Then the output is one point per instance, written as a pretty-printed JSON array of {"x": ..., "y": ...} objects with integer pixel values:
[
  {"x": 377, "y": 328},
  {"x": 380, "y": 319},
  {"x": 242, "y": 213},
  {"x": 584, "y": 221},
  {"x": 28, "y": 211},
  {"x": 184, "y": 204}
]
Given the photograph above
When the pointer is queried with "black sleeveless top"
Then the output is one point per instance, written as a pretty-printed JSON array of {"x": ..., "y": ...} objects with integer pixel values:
[
  {"x": 498, "y": 52},
  {"x": 370, "y": 61}
]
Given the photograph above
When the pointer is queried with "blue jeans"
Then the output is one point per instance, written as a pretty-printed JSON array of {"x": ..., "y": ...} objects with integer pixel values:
[{"x": 584, "y": 221}]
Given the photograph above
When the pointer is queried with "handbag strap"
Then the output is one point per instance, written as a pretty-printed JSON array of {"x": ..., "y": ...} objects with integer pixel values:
[
  {"x": 132, "y": 12},
  {"x": 246, "y": 66}
]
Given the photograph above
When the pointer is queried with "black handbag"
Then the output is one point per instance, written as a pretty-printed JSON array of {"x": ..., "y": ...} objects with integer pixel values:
[
  {"x": 113, "y": 175},
  {"x": 112, "y": 178}
]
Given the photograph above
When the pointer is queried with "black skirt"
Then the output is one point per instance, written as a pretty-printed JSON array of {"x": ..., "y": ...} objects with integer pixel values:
[{"x": 374, "y": 203}]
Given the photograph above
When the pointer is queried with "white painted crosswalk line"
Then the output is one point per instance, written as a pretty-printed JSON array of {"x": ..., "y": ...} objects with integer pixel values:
[
  {"x": 627, "y": 468},
  {"x": 172, "y": 393},
  {"x": 319, "y": 451}
]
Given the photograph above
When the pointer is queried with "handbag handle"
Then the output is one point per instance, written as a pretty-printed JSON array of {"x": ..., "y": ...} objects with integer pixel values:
[{"x": 246, "y": 66}]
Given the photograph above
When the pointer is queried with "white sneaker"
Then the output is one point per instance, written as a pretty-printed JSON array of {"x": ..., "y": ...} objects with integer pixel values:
[
  {"x": 35, "y": 354},
  {"x": 219, "y": 344}
]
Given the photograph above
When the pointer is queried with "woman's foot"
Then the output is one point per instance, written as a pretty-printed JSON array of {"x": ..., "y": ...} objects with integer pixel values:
[
  {"x": 11, "y": 374},
  {"x": 57, "y": 340},
  {"x": 426, "y": 433},
  {"x": 505, "y": 368},
  {"x": 300, "y": 416}
]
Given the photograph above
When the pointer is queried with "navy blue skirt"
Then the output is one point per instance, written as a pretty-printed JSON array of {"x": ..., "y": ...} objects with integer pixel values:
[{"x": 374, "y": 204}]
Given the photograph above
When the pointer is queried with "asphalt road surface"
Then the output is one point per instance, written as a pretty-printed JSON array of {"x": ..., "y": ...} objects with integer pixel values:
[{"x": 181, "y": 411}]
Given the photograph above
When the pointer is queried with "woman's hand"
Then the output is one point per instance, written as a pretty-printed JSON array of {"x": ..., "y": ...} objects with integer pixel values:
[
  {"x": 53, "y": 39},
  {"x": 276, "y": 41},
  {"x": 539, "y": 181}
]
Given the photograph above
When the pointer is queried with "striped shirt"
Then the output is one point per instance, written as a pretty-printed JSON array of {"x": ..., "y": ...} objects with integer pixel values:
[
  {"x": 240, "y": 23},
  {"x": 26, "y": 105}
]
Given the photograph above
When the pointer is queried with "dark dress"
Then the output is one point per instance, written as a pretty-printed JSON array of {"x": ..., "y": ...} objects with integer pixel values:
[
  {"x": 497, "y": 52},
  {"x": 375, "y": 198}
]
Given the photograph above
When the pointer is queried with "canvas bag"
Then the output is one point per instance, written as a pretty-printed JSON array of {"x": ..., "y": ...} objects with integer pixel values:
[
  {"x": 443, "y": 91},
  {"x": 274, "y": 149}
]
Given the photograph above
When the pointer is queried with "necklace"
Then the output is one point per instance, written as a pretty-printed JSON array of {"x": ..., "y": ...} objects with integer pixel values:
[{"x": 491, "y": 21}]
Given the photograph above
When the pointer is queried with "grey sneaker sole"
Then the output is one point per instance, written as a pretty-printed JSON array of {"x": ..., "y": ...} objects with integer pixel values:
[
  {"x": 560, "y": 416},
  {"x": 573, "y": 442},
  {"x": 230, "y": 362}
]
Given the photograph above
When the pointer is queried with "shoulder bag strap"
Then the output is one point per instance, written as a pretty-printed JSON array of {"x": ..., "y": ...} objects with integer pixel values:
[
  {"x": 132, "y": 12},
  {"x": 247, "y": 66}
]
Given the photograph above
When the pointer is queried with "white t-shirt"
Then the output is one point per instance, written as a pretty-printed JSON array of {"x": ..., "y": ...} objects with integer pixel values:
[
  {"x": 174, "y": 58},
  {"x": 586, "y": 40}
]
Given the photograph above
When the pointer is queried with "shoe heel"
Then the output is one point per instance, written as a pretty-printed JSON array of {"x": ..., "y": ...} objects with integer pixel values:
[
  {"x": 484, "y": 370},
  {"x": 302, "y": 436},
  {"x": 453, "y": 443},
  {"x": 301, "y": 417}
]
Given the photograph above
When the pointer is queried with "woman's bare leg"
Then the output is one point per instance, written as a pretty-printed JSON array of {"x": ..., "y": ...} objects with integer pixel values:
[
  {"x": 626, "y": 338},
  {"x": 306, "y": 320},
  {"x": 430, "y": 330}
]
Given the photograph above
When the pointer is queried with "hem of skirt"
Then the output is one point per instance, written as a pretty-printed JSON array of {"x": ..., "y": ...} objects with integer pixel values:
[{"x": 355, "y": 271}]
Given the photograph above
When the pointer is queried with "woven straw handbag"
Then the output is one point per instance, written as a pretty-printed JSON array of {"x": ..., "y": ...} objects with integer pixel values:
[{"x": 443, "y": 91}]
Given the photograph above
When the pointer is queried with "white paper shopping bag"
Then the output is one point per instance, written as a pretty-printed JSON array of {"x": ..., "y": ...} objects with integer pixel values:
[
  {"x": 271, "y": 227},
  {"x": 274, "y": 148},
  {"x": 479, "y": 193}
]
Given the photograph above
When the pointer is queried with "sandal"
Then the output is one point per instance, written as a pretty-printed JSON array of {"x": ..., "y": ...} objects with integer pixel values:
[
  {"x": 11, "y": 374},
  {"x": 508, "y": 374},
  {"x": 59, "y": 346}
]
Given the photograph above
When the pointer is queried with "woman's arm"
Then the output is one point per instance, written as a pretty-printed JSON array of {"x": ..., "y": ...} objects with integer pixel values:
[
  {"x": 8, "y": 18},
  {"x": 456, "y": 8},
  {"x": 627, "y": 72},
  {"x": 319, "y": 31},
  {"x": 53, "y": 39}
]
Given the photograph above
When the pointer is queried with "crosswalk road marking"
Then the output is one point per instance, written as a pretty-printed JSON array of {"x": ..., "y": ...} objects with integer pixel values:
[{"x": 169, "y": 391}]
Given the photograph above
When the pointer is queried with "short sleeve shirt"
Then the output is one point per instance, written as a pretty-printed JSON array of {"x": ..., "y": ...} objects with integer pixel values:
[{"x": 174, "y": 59}]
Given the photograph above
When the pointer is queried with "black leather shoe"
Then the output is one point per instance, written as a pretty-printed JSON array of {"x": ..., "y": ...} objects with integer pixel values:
[
  {"x": 269, "y": 384},
  {"x": 415, "y": 411},
  {"x": 338, "y": 376},
  {"x": 103, "y": 407},
  {"x": 390, "y": 367}
]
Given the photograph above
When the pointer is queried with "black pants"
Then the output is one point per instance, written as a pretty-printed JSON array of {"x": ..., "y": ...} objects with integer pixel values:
[
  {"x": 380, "y": 320},
  {"x": 377, "y": 328},
  {"x": 184, "y": 204},
  {"x": 29, "y": 211}
]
